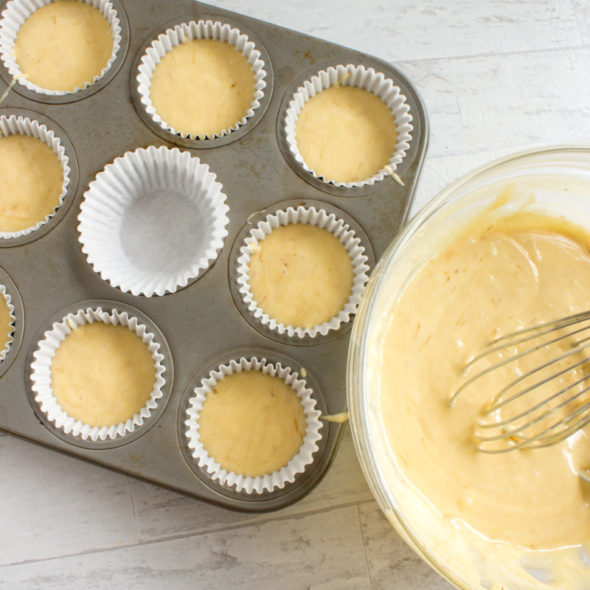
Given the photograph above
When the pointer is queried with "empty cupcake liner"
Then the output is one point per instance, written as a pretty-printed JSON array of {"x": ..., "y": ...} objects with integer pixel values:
[
  {"x": 18, "y": 125},
  {"x": 41, "y": 374},
  {"x": 183, "y": 33},
  {"x": 18, "y": 11},
  {"x": 270, "y": 481},
  {"x": 153, "y": 220},
  {"x": 361, "y": 77},
  {"x": 324, "y": 220},
  {"x": 12, "y": 314}
]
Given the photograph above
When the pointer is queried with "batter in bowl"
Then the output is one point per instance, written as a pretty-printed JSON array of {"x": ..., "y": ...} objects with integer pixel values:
[{"x": 498, "y": 275}]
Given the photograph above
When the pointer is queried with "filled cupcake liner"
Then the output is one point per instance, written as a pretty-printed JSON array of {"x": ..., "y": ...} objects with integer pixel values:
[
  {"x": 183, "y": 33},
  {"x": 271, "y": 481},
  {"x": 41, "y": 374},
  {"x": 108, "y": 211},
  {"x": 18, "y": 11},
  {"x": 361, "y": 77},
  {"x": 12, "y": 314},
  {"x": 18, "y": 125},
  {"x": 316, "y": 217}
]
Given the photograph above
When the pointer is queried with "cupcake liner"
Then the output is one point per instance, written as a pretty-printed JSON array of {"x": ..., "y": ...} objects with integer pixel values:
[
  {"x": 12, "y": 314},
  {"x": 184, "y": 33},
  {"x": 270, "y": 481},
  {"x": 41, "y": 374},
  {"x": 18, "y": 11},
  {"x": 360, "y": 77},
  {"x": 324, "y": 220},
  {"x": 18, "y": 125},
  {"x": 152, "y": 220}
]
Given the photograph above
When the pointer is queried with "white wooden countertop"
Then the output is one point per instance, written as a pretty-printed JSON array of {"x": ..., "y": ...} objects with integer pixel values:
[{"x": 497, "y": 76}]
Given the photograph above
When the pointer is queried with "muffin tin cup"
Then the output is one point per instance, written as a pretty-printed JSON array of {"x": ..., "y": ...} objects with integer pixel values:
[
  {"x": 153, "y": 220},
  {"x": 270, "y": 482},
  {"x": 316, "y": 216},
  {"x": 46, "y": 405},
  {"x": 361, "y": 77},
  {"x": 189, "y": 31},
  {"x": 18, "y": 11},
  {"x": 27, "y": 126}
]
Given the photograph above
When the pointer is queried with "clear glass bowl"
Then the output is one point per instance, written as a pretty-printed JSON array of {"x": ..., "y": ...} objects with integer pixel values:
[{"x": 424, "y": 236}]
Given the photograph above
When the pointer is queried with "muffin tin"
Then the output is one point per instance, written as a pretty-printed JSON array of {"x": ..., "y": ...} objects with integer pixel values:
[{"x": 206, "y": 323}]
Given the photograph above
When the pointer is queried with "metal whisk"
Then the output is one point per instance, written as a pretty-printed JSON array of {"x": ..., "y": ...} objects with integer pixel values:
[{"x": 520, "y": 416}]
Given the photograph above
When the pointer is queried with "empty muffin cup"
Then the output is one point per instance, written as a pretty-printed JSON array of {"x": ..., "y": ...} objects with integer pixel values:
[
  {"x": 24, "y": 205},
  {"x": 258, "y": 428},
  {"x": 14, "y": 17},
  {"x": 208, "y": 103},
  {"x": 346, "y": 122},
  {"x": 86, "y": 411},
  {"x": 153, "y": 220},
  {"x": 310, "y": 292}
]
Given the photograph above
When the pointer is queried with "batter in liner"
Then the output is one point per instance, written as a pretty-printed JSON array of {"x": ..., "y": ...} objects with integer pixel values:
[
  {"x": 202, "y": 87},
  {"x": 64, "y": 45},
  {"x": 102, "y": 374},
  {"x": 252, "y": 423},
  {"x": 346, "y": 134},
  {"x": 31, "y": 182}
]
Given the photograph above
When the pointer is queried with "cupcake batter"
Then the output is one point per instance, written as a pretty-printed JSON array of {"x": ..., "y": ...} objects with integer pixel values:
[
  {"x": 31, "y": 182},
  {"x": 203, "y": 87},
  {"x": 64, "y": 45},
  {"x": 346, "y": 134},
  {"x": 5, "y": 324},
  {"x": 301, "y": 275},
  {"x": 252, "y": 423},
  {"x": 102, "y": 375},
  {"x": 496, "y": 277}
]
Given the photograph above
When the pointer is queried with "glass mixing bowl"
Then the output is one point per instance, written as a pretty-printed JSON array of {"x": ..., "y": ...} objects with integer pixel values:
[{"x": 454, "y": 557}]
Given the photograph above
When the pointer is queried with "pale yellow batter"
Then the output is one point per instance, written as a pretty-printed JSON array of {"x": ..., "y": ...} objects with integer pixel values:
[
  {"x": 252, "y": 423},
  {"x": 102, "y": 375},
  {"x": 31, "y": 181},
  {"x": 64, "y": 45},
  {"x": 203, "y": 87},
  {"x": 301, "y": 275},
  {"x": 346, "y": 134},
  {"x": 496, "y": 277},
  {"x": 5, "y": 324}
]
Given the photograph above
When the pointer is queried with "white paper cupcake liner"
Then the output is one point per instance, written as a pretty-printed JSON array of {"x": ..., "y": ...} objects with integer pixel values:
[
  {"x": 360, "y": 77},
  {"x": 152, "y": 220},
  {"x": 12, "y": 314},
  {"x": 270, "y": 481},
  {"x": 17, "y": 125},
  {"x": 18, "y": 11},
  {"x": 183, "y": 33},
  {"x": 324, "y": 220},
  {"x": 41, "y": 374}
]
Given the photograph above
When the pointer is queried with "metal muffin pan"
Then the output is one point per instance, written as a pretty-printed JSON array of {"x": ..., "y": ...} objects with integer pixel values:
[{"x": 203, "y": 323}]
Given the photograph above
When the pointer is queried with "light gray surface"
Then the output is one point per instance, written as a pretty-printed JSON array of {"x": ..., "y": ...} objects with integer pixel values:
[{"x": 496, "y": 77}]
